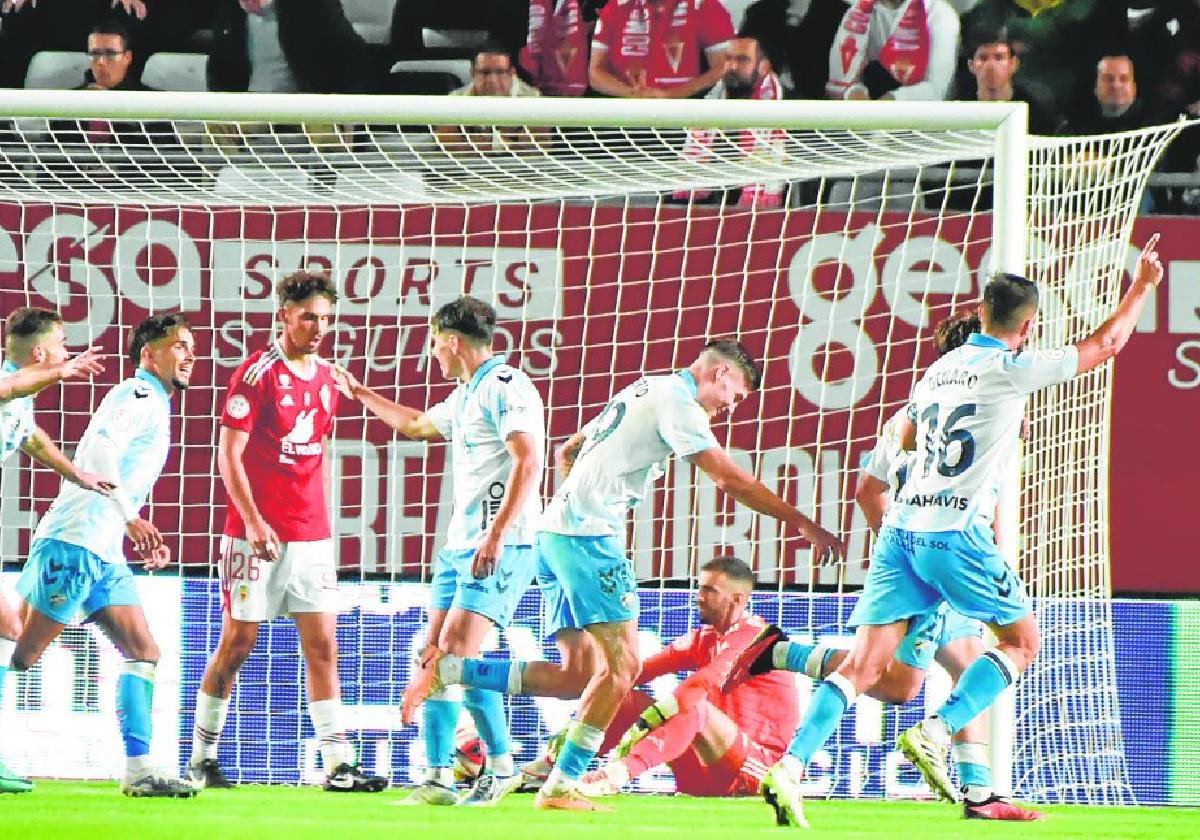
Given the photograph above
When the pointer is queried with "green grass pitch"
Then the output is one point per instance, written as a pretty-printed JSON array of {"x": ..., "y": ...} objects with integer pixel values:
[{"x": 95, "y": 811}]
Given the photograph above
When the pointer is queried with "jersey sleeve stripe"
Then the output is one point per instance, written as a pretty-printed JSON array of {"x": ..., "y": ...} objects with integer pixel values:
[{"x": 255, "y": 371}]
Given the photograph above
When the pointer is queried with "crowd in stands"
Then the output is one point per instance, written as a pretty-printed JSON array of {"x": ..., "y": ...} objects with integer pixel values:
[{"x": 1083, "y": 66}]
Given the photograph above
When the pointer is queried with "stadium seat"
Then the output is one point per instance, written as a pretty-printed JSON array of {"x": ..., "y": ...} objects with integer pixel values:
[
  {"x": 372, "y": 19},
  {"x": 176, "y": 71},
  {"x": 435, "y": 76},
  {"x": 453, "y": 39},
  {"x": 51, "y": 70}
]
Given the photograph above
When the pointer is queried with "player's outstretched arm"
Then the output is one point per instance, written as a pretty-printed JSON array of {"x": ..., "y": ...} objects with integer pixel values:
[
  {"x": 717, "y": 465},
  {"x": 1110, "y": 337},
  {"x": 410, "y": 422},
  {"x": 261, "y": 536},
  {"x": 42, "y": 449},
  {"x": 29, "y": 380}
]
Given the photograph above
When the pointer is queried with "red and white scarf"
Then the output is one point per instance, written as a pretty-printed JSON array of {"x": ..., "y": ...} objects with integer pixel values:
[{"x": 905, "y": 54}]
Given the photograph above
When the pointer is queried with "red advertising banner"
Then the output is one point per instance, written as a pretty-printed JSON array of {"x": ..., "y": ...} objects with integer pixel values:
[{"x": 587, "y": 299}]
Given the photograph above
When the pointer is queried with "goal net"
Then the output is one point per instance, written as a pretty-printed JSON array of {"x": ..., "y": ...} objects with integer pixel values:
[{"x": 613, "y": 239}]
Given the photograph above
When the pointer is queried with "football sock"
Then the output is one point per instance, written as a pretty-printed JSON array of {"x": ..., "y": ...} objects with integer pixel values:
[
  {"x": 7, "y": 646},
  {"x": 791, "y": 656},
  {"x": 829, "y": 702},
  {"x": 977, "y": 689},
  {"x": 135, "y": 696},
  {"x": 326, "y": 719},
  {"x": 439, "y": 721},
  {"x": 210, "y": 722},
  {"x": 631, "y": 708},
  {"x": 578, "y": 751},
  {"x": 668, "y": 741},
  {"x": 487, "y": 710},
  {"x": 974, "y": 772}
]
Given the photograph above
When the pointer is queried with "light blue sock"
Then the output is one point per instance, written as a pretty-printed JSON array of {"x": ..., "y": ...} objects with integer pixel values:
[
  {"x": 135, "y": 696},
  {"x": 797, "y": 654},
  {"x": 977, "y": 689},
  {"x": 972, "y": 763},
  {"x": 491, "y": 674},
  {"x": 487, "y": 710},
  {"x": 439, "y": 720},
  {"x": 579, "y": 749},
  {"x": 829, "y": 702}
]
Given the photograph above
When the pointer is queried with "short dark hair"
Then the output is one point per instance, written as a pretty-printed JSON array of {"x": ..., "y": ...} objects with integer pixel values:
[
  {"x": 152, "y": 329},
  {"x": 731, "y": 567},
  {"x": 492, "y": 48},
  {"x": 299, "y": 286},
  {"x": 469, "y": 317},
  {"x": 733, "y": 351},
  {"x": 987, "y": 37},
  {"x": 1006, "y": 298},
  {"x": 953, "y": 331},
  {"x": 112, "y": 27},
  {"x": 29, "y": 322}
]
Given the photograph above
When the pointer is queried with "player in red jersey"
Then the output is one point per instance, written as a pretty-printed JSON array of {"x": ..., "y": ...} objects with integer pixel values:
[
  {"x": 652, "y": 48},
  {"x": 277, "y": 554},
  {"x": 716, "y": 744}
]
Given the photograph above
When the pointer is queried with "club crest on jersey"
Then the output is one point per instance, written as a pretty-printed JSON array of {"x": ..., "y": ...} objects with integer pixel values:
[
  {"x": 238, "y": 407},
  {"x": 326, "y": 397}
]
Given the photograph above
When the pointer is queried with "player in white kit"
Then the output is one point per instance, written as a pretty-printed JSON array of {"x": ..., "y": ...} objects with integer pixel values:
[
  {"x": 611, "y": 463},
  {"x": 936, "y": 543}
]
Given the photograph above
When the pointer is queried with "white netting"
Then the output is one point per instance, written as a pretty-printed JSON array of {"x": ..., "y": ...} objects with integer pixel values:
[{"x": 599, "y": 272}]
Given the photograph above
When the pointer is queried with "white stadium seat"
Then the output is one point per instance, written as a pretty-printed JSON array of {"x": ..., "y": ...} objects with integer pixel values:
[
  {"x": 176, "y": 71},
  {"x": 50, "y": 70},
  {"x": 372, "y": 19}
]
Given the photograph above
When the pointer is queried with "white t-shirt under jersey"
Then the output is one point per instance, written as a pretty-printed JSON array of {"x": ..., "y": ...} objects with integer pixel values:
[
  {"x": 626, "y": 450},
  {"x": 968, "y": 408}
]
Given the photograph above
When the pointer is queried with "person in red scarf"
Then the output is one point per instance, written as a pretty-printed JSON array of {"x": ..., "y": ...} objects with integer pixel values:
[
  {"x": 748, "y": 75},
  {"x": 652, "y": 48},
  {"x": 555, "y": 54},
  {"x": 894, "y": 49}
]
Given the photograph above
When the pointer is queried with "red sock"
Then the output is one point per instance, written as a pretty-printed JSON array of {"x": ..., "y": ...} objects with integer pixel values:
[
  {"x": 635, "y": 703},
  {"x": 668, "y": 742}
]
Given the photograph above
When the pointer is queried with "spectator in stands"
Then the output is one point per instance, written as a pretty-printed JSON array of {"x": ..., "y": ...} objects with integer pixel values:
[
  {"x": 556, "y": 52},
  {"x": 29, "y": 26},
  {"x": 992, "y": 64},
  {"x": 288, "y": 46},
  {"x": 654, "y": 48},
  {"x": 1058, "y": 42},
  {"x": 894, "y": 49},
  {"x": 1116, "y": 105},
  {"x": 111, "y": 56},
  {"x": 796, "y": 34},
  {"x": 748, "y": 75},
  {"x": 492, "y": 74}
]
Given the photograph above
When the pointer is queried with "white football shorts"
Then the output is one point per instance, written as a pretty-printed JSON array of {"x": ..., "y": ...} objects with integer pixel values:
[{"x": 302, "y": 580}]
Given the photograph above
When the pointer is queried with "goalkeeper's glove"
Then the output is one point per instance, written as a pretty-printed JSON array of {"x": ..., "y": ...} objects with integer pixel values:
[{"x": 655, "y": 716}]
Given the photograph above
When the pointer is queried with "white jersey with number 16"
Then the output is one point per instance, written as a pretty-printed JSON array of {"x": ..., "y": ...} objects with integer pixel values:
[{"x": 968, "y": 409}]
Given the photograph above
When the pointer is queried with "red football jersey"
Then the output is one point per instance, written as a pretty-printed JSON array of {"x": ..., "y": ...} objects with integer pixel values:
[
  {"x": 659, "y": 44},
  {"x": 288, "y": 418},
  {"x": 556, "y": 52},
  {"x": 765, "y": 707}
]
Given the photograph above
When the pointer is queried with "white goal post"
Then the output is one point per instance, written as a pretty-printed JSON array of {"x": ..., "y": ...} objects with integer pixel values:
[{"x": 613, "y": 241}]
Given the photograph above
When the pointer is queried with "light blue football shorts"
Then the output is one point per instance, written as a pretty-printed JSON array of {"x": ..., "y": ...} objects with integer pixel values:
[
  {"x": 913, "y": 571},
  {"x": 584, "y": 581},
  {"x": 495, "y": 596},
  {"x": 61, "y": 580}
]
